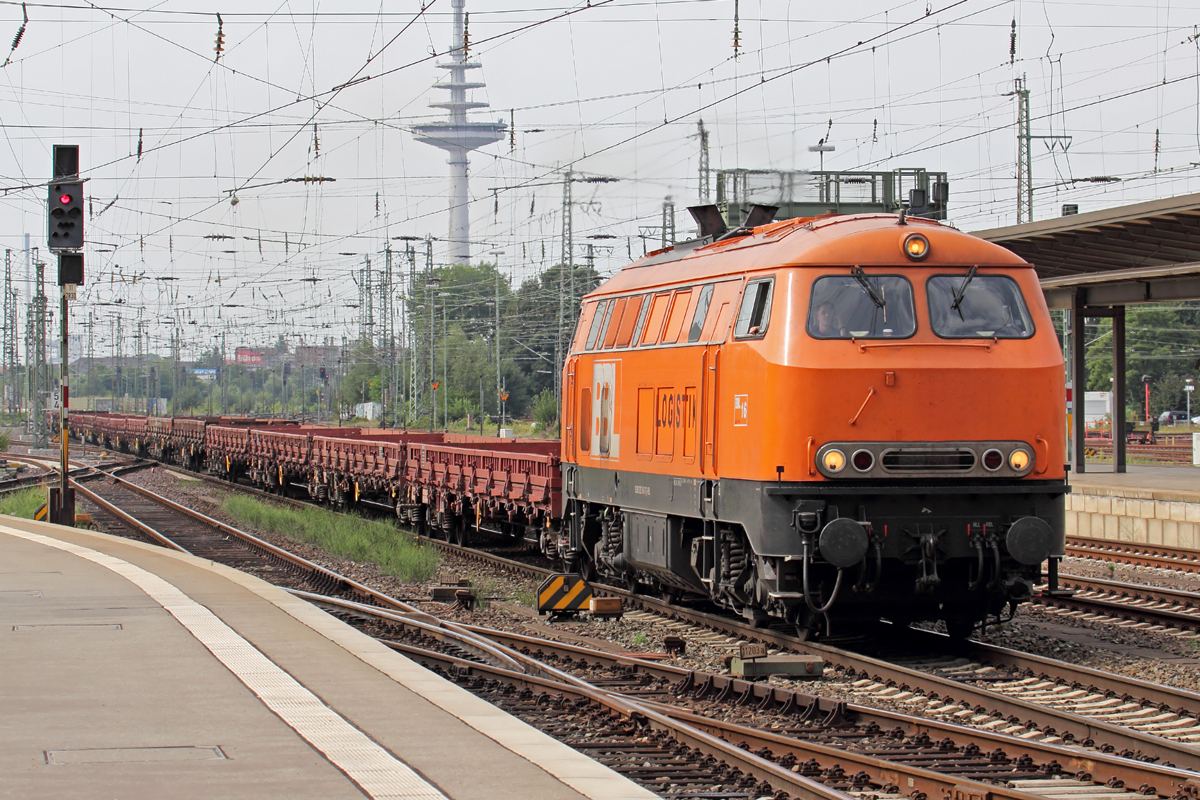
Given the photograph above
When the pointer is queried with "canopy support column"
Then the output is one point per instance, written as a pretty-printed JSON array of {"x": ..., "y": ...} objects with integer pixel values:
[
  {"x": 1078, "y": 382},
  {"x": 1118, "y": 388}
]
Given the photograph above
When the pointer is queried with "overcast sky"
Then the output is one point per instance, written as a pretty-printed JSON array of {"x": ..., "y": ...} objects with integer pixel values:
[{"x": 615, "y": 89}]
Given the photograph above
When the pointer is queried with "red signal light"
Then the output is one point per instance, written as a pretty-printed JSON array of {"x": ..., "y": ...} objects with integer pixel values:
[{"x": 66, "y": 198}]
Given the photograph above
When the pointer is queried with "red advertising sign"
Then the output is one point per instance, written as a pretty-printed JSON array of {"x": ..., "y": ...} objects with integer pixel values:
[{"x": 249, "y": 358}]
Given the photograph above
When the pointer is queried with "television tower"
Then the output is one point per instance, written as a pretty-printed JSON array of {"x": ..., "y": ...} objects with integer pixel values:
[{"x": 457, "y": 136}]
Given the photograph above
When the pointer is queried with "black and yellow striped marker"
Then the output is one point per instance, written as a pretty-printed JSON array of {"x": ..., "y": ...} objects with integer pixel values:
[
  {"x": 563, "y": 593},
  {"x": 42, "y": 513}
]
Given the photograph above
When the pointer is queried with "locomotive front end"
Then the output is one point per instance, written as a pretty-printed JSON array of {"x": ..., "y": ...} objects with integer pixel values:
[{"x": 918, "y": 438}]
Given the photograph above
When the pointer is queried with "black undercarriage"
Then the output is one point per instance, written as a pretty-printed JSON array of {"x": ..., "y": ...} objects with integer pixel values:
[{"x": 827, "y": 557}]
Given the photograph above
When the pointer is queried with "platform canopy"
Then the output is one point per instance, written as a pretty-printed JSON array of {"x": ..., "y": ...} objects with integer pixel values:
[
  {"x": 1141, "y": 253},
  {"x": 1097, "y": 263}
]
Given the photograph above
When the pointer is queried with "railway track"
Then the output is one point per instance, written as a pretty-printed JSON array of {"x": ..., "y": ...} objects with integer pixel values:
[
  {"x": 989, "y": 688},
  {"x": 848, "y": 747},
  {"x": 125, "y": 509},
  {"x": 1175, "y": 449},
  {"x": 1129, "y": 604},
  {"x": 1144, "y": 555}
]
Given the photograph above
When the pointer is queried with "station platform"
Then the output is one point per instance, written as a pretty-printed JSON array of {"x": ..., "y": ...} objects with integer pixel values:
[
  {"x": 1149, "y": 504},
  {"x": 133, "y": 671}
]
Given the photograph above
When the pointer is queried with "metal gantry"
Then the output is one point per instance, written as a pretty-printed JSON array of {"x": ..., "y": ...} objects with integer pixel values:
[
  {"x": 11, "y": 386},
  {"x": 38, "y": 372},
  {"x": 1024, "y": 153}
]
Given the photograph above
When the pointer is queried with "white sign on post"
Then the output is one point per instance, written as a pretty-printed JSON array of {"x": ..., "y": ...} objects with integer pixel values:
[{"x": 54, "y": 400}]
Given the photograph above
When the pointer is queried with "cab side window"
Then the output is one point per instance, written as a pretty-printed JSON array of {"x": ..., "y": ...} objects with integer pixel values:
[
  {"x": 597, "y": 323},
  {"x": 754, "y": 315},
  {"x": 698, "y": 317}
]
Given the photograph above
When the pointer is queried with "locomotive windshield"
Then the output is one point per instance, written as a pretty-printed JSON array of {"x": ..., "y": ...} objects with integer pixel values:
[
  {"x": 970, "y": 306},
  {"x": 861, "y": 306}
]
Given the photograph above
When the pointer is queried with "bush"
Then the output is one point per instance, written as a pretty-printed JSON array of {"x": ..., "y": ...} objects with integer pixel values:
[
  {"x": 394, "y": 551},
  {"x": 24, "y": 503},
  {"x": 545, "y": 408},
  {"x": 5, "y": 440}
]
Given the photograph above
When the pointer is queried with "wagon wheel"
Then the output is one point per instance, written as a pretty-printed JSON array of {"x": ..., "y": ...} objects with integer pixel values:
[
  {"x": 959, "y": 628},
  {"x": 810, "y": 626},
  {"x": 585, "y": 568}
]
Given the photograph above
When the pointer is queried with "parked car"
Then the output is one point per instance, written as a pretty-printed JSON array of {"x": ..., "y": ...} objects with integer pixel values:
[{"x": 1172, "y": 417}]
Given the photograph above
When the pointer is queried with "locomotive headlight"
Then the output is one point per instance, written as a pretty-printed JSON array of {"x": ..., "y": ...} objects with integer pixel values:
[
  {"x": 1019, "y": 459},
  {"x": 834, "y": 460},
  {"x": 916, "y": 247}
]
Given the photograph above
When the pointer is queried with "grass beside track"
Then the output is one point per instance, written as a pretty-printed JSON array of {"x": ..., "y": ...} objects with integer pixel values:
[
  {"x": 394, "y": 551},
  {"x": 24, "y": 503}
]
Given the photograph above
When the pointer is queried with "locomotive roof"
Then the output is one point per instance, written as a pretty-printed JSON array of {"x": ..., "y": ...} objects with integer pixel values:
[{"x": 867, "y": 240}]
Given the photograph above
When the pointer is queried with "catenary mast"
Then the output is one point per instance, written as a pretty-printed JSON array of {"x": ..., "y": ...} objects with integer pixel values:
[{"x": 457, "y": 136}]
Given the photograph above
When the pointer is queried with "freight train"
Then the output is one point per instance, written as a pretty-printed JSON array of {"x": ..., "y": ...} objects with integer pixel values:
[{"x": 824, "y": 420}]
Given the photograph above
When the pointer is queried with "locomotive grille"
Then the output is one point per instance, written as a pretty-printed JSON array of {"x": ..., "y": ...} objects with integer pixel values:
[{"x": 929, "y": 460}]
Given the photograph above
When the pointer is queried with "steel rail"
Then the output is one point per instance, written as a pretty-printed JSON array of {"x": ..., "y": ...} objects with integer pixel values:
[
  {"x": 1148, "y": 555},
  {"x": 754, "y": 765},
  {"x": 1119, "y": 608},
  {"x": 1136, "y": 591},
  {"x": 1051, "y": 669},
  {"x": 1043, "y": 717},
  {"x": 1104, "y": 766},
  {"x": 249, "y": 539},
  {"x": 741, "y": 746},
  {"x": 426, "y": 624}
]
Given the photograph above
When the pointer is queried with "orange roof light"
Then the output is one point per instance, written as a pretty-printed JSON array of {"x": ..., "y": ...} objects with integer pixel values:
[{"x": 916, "y": 247}]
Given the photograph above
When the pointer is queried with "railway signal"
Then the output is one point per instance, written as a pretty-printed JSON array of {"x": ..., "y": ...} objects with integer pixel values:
[
  {"x": 66, "y": 216},
  {"x": 64, "y": 234}
]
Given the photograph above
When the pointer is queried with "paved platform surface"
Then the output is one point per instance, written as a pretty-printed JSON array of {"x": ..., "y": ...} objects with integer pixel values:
[
  {"x": 1140, "y": 479},
  {"x": 132, "y": 671}
]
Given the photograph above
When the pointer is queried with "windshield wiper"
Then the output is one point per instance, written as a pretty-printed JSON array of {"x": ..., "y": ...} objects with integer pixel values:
[
  {"x": 961, "y": 291},
  {"x": 861, "y": 277}
]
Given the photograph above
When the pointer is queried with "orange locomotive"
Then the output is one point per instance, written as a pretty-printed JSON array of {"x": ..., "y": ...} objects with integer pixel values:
[{"x": 840, "y": 418}]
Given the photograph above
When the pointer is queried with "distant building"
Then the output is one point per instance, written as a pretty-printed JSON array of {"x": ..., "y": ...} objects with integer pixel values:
[
  {"x": 369, "y": 411},
  {"x": 316, "y": 356},
  {"x": 1098, "y": 406}
]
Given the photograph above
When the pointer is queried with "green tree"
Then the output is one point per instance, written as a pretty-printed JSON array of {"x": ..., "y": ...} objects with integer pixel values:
[
  {"x": 1162, "y": 342},
  {"x": 362, "y": 380}
]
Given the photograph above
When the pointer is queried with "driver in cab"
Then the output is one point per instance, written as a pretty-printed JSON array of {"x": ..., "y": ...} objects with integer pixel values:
[{"x": 828, "y": 323}]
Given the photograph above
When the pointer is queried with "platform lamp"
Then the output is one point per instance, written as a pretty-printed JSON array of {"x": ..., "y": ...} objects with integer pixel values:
[
  {"x": 822, "y": 148},
  {"x": 1146, "y": 380}
]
